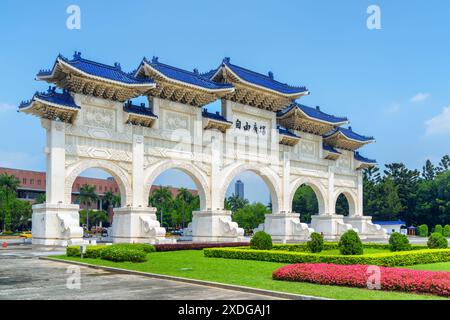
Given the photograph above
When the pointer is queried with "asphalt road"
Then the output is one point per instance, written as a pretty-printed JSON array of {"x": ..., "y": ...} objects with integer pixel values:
[{"x": 24, "y": 276}]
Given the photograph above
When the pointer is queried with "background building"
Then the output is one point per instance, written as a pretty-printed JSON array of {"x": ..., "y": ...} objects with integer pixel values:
[
  {"x": 239, "y": 189},
  {"x": 32, "y": 184}
]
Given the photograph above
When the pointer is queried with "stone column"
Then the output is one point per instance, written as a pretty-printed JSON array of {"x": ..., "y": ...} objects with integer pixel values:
[
  {"x": 367, "y": 230},
  {"x": 328, "y": 223},
  {"x": 285, "y": 226},
  {"x": 215, "y": 224},
  {"x": 137, "y": 223},
  {"x": 56, "y": 223}
]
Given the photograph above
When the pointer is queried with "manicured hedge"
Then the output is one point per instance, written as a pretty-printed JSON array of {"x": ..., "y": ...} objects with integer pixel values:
[
  {"x": 91, "y": 251},
  {"x": 390, "y": 259},
  {"x": 95, "y": 252},
  {"x": 392, "y": 279},
  {"x": 197, "y": 246},
  {"x": 302, "y": 247},
  {"x": 122, "y": 253}
]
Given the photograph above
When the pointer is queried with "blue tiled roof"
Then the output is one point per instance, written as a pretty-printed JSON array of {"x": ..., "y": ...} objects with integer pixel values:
[
  {"x": 314, "y": 113},
  {"x": 141, "y": 109},
  {"x": 190, "y": 77},
  {"x": 390, "y": 222},
  {"x": 329, "y": 148},
  {"x": 215, "y": 116},
  {"x": 96, "y": 69},
  {"x": 286, "y": 132},
  {"x": 258, "y": 79},
  {"x": 63, "y": 99},
  {"x": 360, "y": 158},
  {"x": 349, "y": 134}
]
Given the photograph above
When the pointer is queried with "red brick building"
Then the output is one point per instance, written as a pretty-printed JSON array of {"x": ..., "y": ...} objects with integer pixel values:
[{"x": 32, "y": 183}]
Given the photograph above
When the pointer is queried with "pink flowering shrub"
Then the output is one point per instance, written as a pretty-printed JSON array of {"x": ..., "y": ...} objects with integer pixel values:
[{"x": 392, "y": 279}]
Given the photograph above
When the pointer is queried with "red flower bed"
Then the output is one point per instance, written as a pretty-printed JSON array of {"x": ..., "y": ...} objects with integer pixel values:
[
  {"x": 197, "y": 246},
  {"x": 393, "y": 279}
]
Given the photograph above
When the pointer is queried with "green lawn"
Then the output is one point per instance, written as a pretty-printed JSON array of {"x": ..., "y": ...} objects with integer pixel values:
[{"x": 257, "y": 274}]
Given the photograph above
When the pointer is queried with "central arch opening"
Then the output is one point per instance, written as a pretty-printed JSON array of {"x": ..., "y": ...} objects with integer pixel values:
[
  {"x": 175, "y": 195},
  {"x": 249, "y": 198}
]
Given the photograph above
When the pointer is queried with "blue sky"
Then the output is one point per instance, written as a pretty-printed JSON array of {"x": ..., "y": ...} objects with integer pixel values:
[{"x": 392, "y": 83}]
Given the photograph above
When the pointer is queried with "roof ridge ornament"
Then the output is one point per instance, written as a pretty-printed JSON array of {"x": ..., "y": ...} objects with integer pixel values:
[
  {"x": 226, "y": 60},
  {"x": 196, "y": 71},
  {"x": 117, "y": 66},
  {"x": 155, "y": 59},
  {"x": 77, "y": 55},
  {"x": 270, "y": 75}
]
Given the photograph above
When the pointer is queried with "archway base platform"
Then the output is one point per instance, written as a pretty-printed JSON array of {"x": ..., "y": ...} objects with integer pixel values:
[
  {"x": 331, "y": 226},
  {"x": 138, "y": 225},
  {"x": 215, "y": 226},
  {"x": 285, "y": 227},
  {"x": 367, "y": 230},
  {"x": 56, "y": 225}
]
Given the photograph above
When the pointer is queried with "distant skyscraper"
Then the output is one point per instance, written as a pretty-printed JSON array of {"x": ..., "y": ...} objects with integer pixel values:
[{"x": 239, "y": 189}]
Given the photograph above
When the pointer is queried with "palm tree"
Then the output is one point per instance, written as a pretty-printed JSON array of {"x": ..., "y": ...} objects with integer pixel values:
[
  {"x": 8, "y": 191},
  {"x": 87, "y": 196},
  {"x": 161, "y": 198},
  {"x": 184, "y": 198},
  {"x": 108, "y": 198},
  {"x": 234, "y": 202}
]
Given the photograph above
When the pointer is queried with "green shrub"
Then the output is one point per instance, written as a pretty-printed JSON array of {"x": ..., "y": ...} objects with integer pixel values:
[
  {"x": 261, "y": 241},
  {"x": 446, "y": 232},
  {"x": 437, "y": 241},
  {"x": 399, "y": 242},
  {"x": 438, "y": 229},
  {"x": 389, "y": 259},
  {"x": 147, "y": 248},
  {"x": 93, "y": 252},
  {"x": 121, "y": 253},
  {"x": 423, "y": 230},
  {"x": 316, "y": 242},
  {"x": 350, "y": 244},
  {"x": 73, "y": 251}
]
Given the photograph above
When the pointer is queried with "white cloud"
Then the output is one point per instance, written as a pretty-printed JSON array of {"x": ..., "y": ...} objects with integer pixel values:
[
  {"x": 440, "y": 124},
  {"x": 420, "y": 97},
  {"x": 6, "y": 107}
]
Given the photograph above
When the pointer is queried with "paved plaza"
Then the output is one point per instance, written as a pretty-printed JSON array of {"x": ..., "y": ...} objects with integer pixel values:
[{"x": 24, "y": 276}]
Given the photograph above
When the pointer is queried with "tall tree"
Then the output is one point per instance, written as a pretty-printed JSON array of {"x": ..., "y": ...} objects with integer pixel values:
[
  {"x": 183, "y": 203},
  {"x": 234, "y": 202},
  {"x": 87, "y": 196},
  {"x": 444, "y": 164},
  {"x": 162, "y": 199},
  {"x": 305, "y": 203},
  {"x": 250, "y": 216},
  {"x": 428, "y": 171},
  {"x": 8, "y": 192}
]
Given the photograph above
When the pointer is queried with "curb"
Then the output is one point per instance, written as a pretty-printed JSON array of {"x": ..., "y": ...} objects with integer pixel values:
[{"x": 263, "y": 292}]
